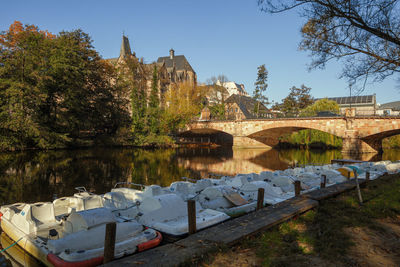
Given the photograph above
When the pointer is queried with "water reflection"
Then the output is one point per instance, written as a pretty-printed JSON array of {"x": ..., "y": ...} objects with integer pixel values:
[{"x": 39, "y": 175}]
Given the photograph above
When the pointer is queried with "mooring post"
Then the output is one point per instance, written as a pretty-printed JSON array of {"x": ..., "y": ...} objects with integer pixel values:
[
  {"x": 348, "y": 175},
  {"x": 367, "y": 177},
  {"x": 297, "y": 188},
  {"x": 191, "y": 206},
  {"x": 358, "y": 187},
  {"x": 109, "y": 242},
  {"x": 323, "y": 181},
  {"x": 260, "y": 198}
]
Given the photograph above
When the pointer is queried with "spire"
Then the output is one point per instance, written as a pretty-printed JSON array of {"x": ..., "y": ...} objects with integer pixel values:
[{"x": 125, "y": 47}]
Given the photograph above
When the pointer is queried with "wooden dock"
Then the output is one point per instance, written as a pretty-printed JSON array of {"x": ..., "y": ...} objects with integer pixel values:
[
  {"x": 232, "y": 231},
  {"x": 226, "y": 233}
]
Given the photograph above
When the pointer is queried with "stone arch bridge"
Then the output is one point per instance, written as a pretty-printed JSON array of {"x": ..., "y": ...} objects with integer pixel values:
[{"x": 359, "y": 134}]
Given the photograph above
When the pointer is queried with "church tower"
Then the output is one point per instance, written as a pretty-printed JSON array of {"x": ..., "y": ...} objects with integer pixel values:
[{"x": 125, "y": 48}]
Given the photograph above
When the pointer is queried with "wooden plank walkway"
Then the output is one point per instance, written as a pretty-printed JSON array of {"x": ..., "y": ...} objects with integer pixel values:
[
  {"x": 333, "y": 190},
  {"x": 226, "y": 233}
]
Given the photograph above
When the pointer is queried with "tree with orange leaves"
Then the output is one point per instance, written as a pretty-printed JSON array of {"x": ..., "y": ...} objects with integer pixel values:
[{"x": 53, "y": 89}]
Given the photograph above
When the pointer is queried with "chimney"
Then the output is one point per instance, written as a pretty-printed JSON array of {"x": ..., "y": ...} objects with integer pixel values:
[{"x": 171, "y": 53}]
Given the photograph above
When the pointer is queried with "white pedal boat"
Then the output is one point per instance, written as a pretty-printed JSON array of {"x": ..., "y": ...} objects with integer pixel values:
[
  {"x": 156, "y": 208},
  {"x": 75, "y": 240}
]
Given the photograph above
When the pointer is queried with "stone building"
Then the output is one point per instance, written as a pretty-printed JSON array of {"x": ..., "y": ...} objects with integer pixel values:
[
  {"x": 239, "y": 107},
  {"x": 178, "y": 68},
  {"x": 170, "y": 70}
]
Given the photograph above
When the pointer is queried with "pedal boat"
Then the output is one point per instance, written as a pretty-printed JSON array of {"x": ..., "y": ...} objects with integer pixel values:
[
  {"x": 161, "y": 210},
  {"x": 77, "y": 239}
]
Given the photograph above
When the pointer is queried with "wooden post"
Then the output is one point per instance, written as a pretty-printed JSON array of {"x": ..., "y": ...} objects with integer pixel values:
[
  {"x": 297, "y": 188},
  {"x": 358, "y": 187},
  {"x": 323, "y": 181},
  {"x": 260, "y": 198},
  {"x": 191, "y": 206},
  {"x": 348, "y": 175},
  {"x": 109, "y": 242},
  {"x": 367, "y": 177}
]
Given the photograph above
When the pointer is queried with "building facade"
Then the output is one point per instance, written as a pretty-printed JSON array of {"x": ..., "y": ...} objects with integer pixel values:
[
  {"x": 389, "y": 109},
  {"x": 359, "y": 105},
  {"x": 171, "y": 70}
]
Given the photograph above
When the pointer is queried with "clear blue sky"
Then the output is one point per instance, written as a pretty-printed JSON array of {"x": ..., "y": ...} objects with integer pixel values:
[{"x": 230, "y": 37}]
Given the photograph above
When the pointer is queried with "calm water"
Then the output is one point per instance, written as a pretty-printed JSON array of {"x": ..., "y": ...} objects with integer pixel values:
[{"x": 40, "y": 176}]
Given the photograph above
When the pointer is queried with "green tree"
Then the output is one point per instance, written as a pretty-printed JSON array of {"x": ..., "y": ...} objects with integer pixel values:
[
  {"x": 298, "y": 99},
  {"x": 365, "y": 34},
  {"x": 309, "y": 138},
  {"x": 320, "y": 105},
  {"x": 154, "y": 105},
  {"x": 260, "y": 88}
]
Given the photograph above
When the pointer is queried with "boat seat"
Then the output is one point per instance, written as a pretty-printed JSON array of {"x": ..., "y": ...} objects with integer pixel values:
[{"x": 36, "y": 217}]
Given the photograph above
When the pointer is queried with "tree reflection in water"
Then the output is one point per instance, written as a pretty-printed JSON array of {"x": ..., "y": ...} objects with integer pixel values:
[{"x": 39, "y": 175}]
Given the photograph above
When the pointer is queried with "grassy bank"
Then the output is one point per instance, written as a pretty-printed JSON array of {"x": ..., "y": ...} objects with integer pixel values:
[{"x": 340, "y": 232}]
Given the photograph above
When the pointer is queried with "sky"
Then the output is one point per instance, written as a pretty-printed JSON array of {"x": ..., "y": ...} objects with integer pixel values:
[{"x": 230, "y": 37}]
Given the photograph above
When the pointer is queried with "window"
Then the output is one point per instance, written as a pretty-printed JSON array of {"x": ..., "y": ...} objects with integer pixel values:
[{"x": 236, "y": 110}]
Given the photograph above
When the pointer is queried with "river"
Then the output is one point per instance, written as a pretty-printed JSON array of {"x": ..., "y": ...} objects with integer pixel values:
[{"x": 43, "y": 175}]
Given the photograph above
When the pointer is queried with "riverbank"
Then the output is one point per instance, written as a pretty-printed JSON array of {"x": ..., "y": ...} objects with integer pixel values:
[{"x": 340, "y": 232}]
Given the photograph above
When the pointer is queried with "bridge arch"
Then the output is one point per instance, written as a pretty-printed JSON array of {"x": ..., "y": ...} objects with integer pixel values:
[
  {"x": 207, "y": 136},
  {"x": 270, "y": 136},
  {"x": 375, "y": 140}
]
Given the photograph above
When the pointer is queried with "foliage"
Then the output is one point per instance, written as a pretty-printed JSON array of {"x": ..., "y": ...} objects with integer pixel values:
[
  {"x": 391, "y": 142},
  {"x": 298, "y": 99},
  {"x": 314, "y": 138},
  {"x": 154, "y": 109},
  {"x": 55, "y": 90},
  {"x": 260, "y": 88},
  {"x": 183, "y": 103},
  {"x": 365, "y": 34},
  {"x": 311, "y": 138},
  {"x": 320, "y": 105}
]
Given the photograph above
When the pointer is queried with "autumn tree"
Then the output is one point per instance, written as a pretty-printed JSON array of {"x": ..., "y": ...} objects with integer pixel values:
[
  {"x": 183, "y": 103},
  {"x": 365, "y": 34},
  {"x": 55, "y": 91},
  {"x": 260, "y": 88}
]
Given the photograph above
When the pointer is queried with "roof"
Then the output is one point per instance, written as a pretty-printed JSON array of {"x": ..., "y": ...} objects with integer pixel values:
[
  {"x": 246, "y": 104},
  {"x": 391, "y": 105},
  {"x": 180, "y": 61},
  {"x": 347, "y": 100}
]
